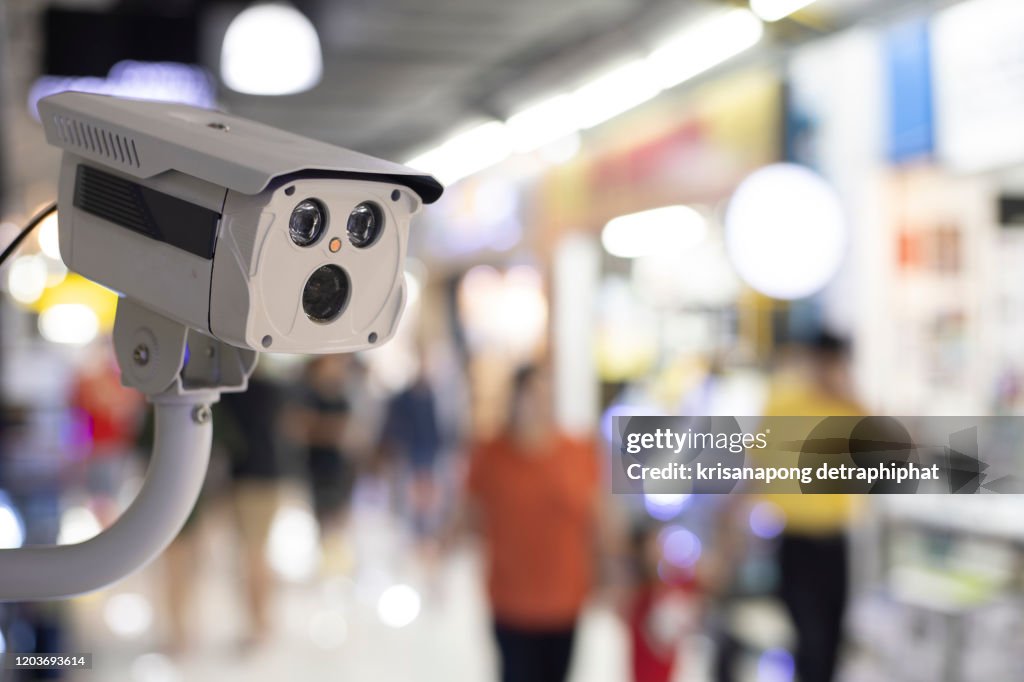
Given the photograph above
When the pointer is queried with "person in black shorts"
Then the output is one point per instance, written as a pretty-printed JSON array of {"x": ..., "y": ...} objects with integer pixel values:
[{"x": 318, "y": 423}]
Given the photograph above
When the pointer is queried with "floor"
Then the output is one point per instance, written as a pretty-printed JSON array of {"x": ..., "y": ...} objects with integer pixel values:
[{"x": 325, "y": 628}]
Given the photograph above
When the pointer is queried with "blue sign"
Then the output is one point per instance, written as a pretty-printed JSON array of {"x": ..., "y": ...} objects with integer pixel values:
[{"x": 907, "y": 64}]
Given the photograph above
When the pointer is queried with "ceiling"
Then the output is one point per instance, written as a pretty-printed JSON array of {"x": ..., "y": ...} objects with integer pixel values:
[{"x": 400, "y": 74}]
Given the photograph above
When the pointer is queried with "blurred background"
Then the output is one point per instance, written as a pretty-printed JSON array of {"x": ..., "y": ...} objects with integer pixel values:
[{"x": 699, "y": 207}]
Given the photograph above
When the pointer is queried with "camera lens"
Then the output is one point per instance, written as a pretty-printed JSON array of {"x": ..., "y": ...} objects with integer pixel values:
[
  {"x": 365, "y": 223},
  {"x": 307, "y": 222},
  {"x": 326, "y": 293}
]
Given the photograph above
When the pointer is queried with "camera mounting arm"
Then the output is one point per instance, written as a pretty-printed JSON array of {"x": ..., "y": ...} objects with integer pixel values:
[{"x": 182, "y": 372}]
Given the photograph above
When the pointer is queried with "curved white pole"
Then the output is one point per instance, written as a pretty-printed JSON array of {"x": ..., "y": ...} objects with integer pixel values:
[{"x": 181, "y": 452}]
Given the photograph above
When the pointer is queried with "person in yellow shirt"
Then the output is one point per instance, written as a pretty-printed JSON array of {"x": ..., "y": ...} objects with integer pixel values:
[{"x": 813, "y": 380}]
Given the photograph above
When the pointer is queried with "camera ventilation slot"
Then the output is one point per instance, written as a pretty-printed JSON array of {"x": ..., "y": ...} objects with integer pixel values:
[{"x": 97, "y": 140}]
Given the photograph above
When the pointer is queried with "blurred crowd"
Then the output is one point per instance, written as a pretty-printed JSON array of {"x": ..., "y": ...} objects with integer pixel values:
[{"x": 532, "y": 496}]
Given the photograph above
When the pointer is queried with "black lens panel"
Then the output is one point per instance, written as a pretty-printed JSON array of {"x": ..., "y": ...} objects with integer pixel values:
[{"x": 326, "y": 293}]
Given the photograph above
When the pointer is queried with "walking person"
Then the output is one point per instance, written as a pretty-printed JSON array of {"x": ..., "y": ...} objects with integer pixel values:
[{"x": 535, "y": 492}]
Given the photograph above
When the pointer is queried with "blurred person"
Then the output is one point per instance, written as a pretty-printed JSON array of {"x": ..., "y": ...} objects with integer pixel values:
[
  {"x": 181, "y": 562},
  {"x": 412, "y": 434},
  {"x": 318, "y": 422},
  {"x": 34, "y": 496},
  {"x": 180, "y": 559},
  {"x": 722, "y": 392},
  {"x": 535, "y": 492},
  {"x": 721, "y": 578},
  {"x": 250, "y": 434},
  {"x": 662, "y": 610},
  {"x": 112, "y": 414},
  {"x": 367, "y": 400},
  {"x": 813, "y": 380},
  {"x": 247, "y": 432}
]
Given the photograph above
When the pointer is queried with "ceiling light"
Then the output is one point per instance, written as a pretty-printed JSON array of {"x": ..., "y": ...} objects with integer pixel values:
[
  {"x": 544, "y": 123},
  {"x": 704, "y": 45},
  {"x": 271, "y": 49},
  {"x": 659, "y": 230},
  {"x": 696, "y": 49},
  {"x": 613, "y": 93},
  {"x": 785, "y": 231},
  {"x": 466, "y": 153},
  {"x": 773, "y": 10}
]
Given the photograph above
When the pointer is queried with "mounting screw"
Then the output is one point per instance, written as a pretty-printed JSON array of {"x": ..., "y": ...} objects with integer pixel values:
[
  {"x": 141, "y": 354},
  {"x": 201, "y": 414}
]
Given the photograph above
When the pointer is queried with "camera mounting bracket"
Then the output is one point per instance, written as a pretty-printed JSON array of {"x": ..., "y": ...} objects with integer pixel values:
[{"x": 165, "y": 359}]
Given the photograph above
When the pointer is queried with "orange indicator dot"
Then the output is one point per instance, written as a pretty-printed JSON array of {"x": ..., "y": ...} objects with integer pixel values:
[{"x": 334, "y": 245}]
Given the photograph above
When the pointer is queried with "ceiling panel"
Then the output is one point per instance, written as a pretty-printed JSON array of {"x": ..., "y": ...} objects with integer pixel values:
[{"x": 399, "y": 73}]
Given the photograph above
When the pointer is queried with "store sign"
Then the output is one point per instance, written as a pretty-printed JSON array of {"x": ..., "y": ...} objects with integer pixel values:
[
  {"x": 978, "y": 72},
  {"x": 909, "y": 89}
]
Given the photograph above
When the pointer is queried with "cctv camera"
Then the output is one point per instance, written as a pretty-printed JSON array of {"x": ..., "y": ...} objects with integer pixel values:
[
  {"x": 225, "y": 238},
  {"x": 260, "y": 238}
]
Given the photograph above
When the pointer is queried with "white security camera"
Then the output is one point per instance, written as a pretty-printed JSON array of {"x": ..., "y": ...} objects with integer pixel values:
[
  {"x": 225, "y": 238},
  {"x": 263, "y": 239}
]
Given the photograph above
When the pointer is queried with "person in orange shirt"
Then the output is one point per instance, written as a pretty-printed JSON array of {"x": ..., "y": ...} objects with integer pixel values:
[{"x": 535, "y": 491}]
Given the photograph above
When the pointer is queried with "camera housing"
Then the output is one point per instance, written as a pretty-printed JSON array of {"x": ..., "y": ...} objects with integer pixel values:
[{"x": 263, "y": 239}]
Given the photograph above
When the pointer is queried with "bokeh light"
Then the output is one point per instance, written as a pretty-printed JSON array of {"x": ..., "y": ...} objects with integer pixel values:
[
  {"x": 271, "y": 49},
  {"x": 664, "y": 506},
  {"x": 785, "y": 231},
  {"x": 77, "y": 524},
  {"x": 775, "y": 665},
  {"x": 767, "y": 520},
  {"x": 69, "y": 323},
  {"x": 26, "y": 279},
  {"x": 49, "y": 237},
  {"x": 398, "y": 606},
  {"x": 128, "y": 615},
  {"x": 12, "y": 528},
  {"x": 679, "y": 546},
  {"x": 293, "y": 548}
]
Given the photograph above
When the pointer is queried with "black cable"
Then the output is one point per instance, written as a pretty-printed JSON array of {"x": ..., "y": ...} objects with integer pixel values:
[{"x": 32, "y": 224}]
